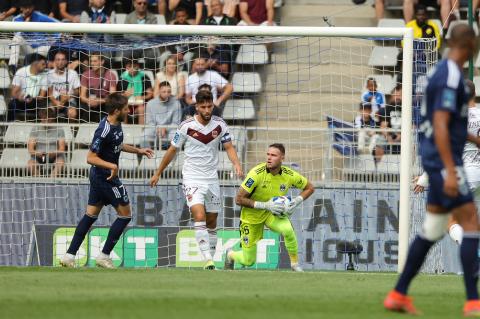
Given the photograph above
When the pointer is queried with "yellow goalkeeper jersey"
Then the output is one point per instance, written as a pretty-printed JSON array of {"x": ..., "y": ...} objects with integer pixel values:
[{"x": 262, "y": 186}]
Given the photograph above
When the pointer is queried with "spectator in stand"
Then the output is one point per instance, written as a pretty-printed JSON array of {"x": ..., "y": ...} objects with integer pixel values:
[
  {"x": 136, "y": 87},
  {"x": 219, "y": 59},
  {"x": 373, "y": 96},
  {"x": 181, "y": 52},
  {"x": 63, "y": 87},
  {"x": 140, "y": 15},
  {"x": 7, "y": 10},
  {"x": 367, "y": 138},
  {"x": 29, "y": 90},
  {"x": 194, "y": 8},
  {"x": 229, "y": 7},
  {"x": 217, "y": 15},
  {"x": 445, "y": 7},
  {"x": 173, "y": 77},
  {"x": 423, "y": 28},
  {"x": 28, "y": 14},
  {"x": 95, "y": 85},
  {"x": 161, "y": 111},
  {"x": 46, "y": 145},
  {"x": 47, "y": 7},
  {"x": 457, "y": 3},
  {"x": 98, "y": 12},
  {"x": 379, "y": 9},
  {"x": 70, "y": 10},
  {"x": 212, "y": 78},
  {"x": 257, "y": 12}
]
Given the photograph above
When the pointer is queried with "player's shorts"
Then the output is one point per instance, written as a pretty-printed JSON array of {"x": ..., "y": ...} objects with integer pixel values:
[
  {"x": 202, "y": 193},
  {"x": 105, "y": 192},
  {"x": 437, "y": 197}
]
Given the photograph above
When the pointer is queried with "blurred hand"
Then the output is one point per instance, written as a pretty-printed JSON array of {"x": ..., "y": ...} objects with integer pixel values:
[
  {"x": 146, "y": 152},
  {"x": 450, "y": 185},
  {"x": 154, "y": 180},
  {"x": 114, "y": 173}
]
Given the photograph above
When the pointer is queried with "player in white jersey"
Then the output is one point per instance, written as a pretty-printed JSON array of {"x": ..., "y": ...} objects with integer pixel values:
[
  {"x": 201, "y": 136},
  {"x": 471, "y": 162}
]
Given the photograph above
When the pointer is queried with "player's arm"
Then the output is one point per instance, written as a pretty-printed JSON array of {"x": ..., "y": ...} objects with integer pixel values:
[
  {"x": 442, "y": 141},
  {"x": 167, "y": 159},
  {"x": 246, "y": 189},
  {"x": 135, "y": 150},
  {"x": 233, "y": 157}
]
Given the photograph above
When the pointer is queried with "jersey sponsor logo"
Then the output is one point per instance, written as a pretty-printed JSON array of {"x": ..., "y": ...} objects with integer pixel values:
[
  {"x": 96, "y": 144},
  {"x": 449, "y": 99},
  {"x": 283, "y": 187},
  {"x": 176, "y": 138},
  {"x": 204, "y": 138},
  {"x": 249, "y": 182}
]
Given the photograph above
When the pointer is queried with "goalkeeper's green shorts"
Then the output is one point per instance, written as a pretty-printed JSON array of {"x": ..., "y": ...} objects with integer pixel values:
[{"x": 250, "y": 234}]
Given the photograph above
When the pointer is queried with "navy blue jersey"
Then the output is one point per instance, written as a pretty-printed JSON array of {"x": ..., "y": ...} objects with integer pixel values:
[
  {"x": 445, "y": 92},
  {"x": 107, "y": 143}
]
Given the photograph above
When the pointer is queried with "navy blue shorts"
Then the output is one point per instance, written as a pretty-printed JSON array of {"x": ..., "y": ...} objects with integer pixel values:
[
  {"x": 106, "y": 192},
  {"x": 437, "y": 197}
]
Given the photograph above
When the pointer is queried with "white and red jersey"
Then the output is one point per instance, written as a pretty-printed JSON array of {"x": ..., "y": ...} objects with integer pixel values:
[
  {"x": 201, "y": 147},
  {"x": 471, "y": 153}
]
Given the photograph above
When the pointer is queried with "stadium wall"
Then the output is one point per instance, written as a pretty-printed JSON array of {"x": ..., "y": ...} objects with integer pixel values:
[{"x": 365, "y": 216}]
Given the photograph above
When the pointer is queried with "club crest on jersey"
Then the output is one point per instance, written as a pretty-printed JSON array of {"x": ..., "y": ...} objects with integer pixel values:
[
  {"x": 214, "y": 134},
  {"x": 245, "y": 240},
  {"x": 283, "y": 187},
  {"x": 189, "y": 197}
]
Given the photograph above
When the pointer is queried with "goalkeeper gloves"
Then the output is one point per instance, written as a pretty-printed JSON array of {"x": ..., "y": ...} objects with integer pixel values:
[
  {"x": 276, "y": 208},
  {"x": 293, "y": 204}
]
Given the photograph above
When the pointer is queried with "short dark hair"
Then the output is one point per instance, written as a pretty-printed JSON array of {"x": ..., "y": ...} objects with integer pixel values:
[
  {"x": 365, "y": 105},
  {"x": 204, "y": 96},
  {"x": 373, "y": 80},
  {"x": 205, "y": 86},
  {"x": 165, "y": 83},
  {"x": 420, "y": 7},
  {"x": 25, "y": 3},
  {"x": 181, "y": 9},
  {"x": 128, "y": 61},
  {"x": 278, "y": 146},
  {"x": 461, "y": 35},
  {"x": 35, "y": 57},
  {"x": 115, "y": 101},
  {"x": 471, "y": 89}
]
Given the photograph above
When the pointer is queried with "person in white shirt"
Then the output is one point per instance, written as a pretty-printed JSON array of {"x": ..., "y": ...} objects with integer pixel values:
[
  {"x": 63, "y": 87},
  {"x": 29, "y": 90},
  {"x": 212, "y": 78},
  {"x": 201, "y": 136}
]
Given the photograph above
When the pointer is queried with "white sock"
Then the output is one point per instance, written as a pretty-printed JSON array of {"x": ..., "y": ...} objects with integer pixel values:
[
  {"x": 201, "y": 235},
  {"x": 456, "y": 233},
  {"x": 212, "y": 236}
]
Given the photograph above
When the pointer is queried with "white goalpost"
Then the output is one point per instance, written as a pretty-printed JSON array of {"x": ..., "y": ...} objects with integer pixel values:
[{"x": 302, "y": 85}]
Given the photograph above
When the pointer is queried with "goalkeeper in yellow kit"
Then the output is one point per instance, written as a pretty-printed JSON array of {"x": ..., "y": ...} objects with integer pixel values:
[{"x": 263, "y": 182}]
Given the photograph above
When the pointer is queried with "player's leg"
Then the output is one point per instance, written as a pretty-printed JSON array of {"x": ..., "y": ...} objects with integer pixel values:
[
  {"x": 212, "y": 206},
  {"x": 284, "y": 227},
  {"x": 117, "y": 196},
  {"x": 250, "y": 234},
  {"x": 90, "y": 217},
  {"x": 466, "y": 215}
]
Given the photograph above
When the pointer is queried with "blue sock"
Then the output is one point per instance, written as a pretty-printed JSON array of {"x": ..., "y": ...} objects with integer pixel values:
[
  {"x": 470, "y": 264},
  {"x": 416, "y": 255},
  {"x": 114, "y": 233},
  {"x": 82, "y": 229}
]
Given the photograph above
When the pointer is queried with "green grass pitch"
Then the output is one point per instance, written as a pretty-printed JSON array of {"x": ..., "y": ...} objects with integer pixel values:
[{"x": 178, "y": 293}]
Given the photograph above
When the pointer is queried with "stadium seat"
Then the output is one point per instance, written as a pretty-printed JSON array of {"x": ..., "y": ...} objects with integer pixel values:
[
  {"x": 246, "y": 82},
  {"x": 386, "y": 83},
  {"x": 476, "y": 81},
  {"x": 18, "y": 133},
  {"x": 133, "y": 134},
  {"x": 14, "y": 158},
  {"x": 3, "y": 106},
  {"x": 391, "y": 23},
  {"x": 239, "y": 110},
  {"x": 128, "y": 161},
  {"x": 79, "y": 160},
  {"x": 389, "y": 164},
  {"x": 278, "y": 3},
  {"x": 119, "y": 18},
  {"x": 161, "y": 19},
  {"x": 4, "y": 49},
  {"x": 85, "y": 133},
  {"x": 453, "y": 23},
  {"x": 384, "y": 56},
  {"x": 252, "y": 54},
  {"x": 4, "y": 78}
]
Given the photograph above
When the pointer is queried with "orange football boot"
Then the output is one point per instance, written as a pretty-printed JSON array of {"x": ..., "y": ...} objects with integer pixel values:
[{"x": 396, "y": 301}]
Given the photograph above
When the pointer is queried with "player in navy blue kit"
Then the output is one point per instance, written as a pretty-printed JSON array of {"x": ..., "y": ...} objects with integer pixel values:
[
  {"x": 105, "y": 186},
  {"x": 443, "y": 135}
]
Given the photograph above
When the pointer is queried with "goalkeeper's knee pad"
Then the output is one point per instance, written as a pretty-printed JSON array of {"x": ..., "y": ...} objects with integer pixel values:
[{"x": 434, "y": 226}]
